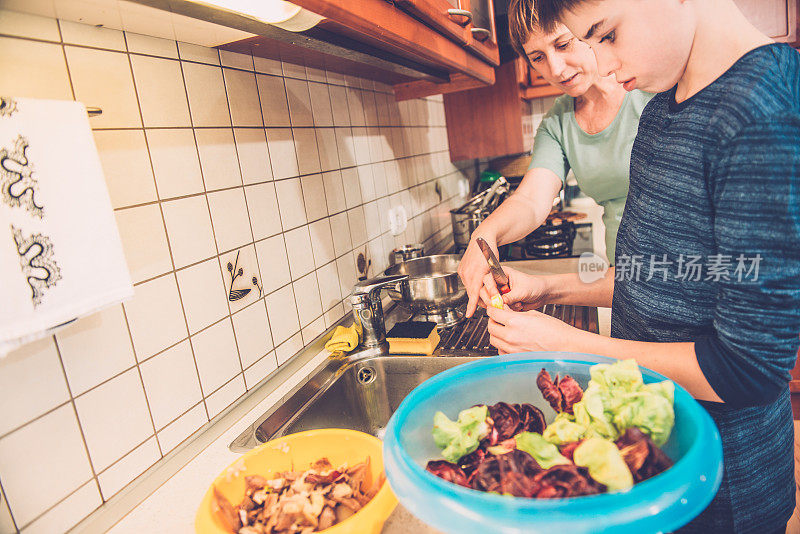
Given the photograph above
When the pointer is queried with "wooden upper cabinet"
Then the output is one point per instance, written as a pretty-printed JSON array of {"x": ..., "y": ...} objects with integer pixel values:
[
  {"x": 469, "y": 22},
  {"x": 776, "y": 18},
  {"x": 483, "y": 34},
  {"x": 446, "y": 16}
]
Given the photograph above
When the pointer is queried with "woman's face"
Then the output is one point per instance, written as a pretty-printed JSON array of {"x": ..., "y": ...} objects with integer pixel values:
[
  {"x": 644, "y": 43},
  {"x": 562, "y": 60}
]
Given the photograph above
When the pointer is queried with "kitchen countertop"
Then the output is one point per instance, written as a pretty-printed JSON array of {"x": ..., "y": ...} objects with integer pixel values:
[{"x": 171, "y": 507}]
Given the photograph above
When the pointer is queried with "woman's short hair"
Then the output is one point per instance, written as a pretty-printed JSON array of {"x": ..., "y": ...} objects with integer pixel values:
[{"x": 522, "y": 21}]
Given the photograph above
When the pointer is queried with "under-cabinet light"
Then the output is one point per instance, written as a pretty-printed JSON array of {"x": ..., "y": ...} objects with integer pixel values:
[{"x": 279, "y": 13}]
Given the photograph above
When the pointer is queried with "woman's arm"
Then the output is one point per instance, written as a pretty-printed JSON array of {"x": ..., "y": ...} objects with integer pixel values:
[{"x": 521, "y": 213}]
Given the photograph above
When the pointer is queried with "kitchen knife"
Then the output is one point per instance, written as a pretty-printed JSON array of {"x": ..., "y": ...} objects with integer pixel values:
[{"x": 500, "y": 277}]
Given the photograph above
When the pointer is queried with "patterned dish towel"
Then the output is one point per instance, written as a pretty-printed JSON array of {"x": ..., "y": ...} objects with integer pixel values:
[{"x": 60, "y": 252}]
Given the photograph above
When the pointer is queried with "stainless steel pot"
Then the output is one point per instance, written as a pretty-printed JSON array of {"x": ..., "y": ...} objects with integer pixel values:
[
  {"x": 466, "y": 218},
  {"x": 407, "y": 252},
  {"x": 433, "y": 288},
  {"x": 464, "y": 223}
]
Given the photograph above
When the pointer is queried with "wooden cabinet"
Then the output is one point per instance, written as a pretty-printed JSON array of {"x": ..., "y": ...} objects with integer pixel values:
[
  {"x": 469, "y": 22},
  {"x": 531, "y": 84},
  {"x": 487, "y": 121},
  {"x": 420, "y": 47},
  {"x": 776, "y": 18},
  {"x": 495, "y": 121}
]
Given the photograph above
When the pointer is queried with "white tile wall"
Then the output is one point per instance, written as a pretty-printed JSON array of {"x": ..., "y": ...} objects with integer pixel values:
[{"x": 208, "y": 156}]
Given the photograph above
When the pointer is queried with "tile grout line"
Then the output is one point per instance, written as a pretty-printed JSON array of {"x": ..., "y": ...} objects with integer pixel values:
[
  {"x": 249, "y": 222},
  {"x": 286, "y": 248},
  {"x": 213, "y": 235},
  {"x": 55, "y": 339},
  {"x": 78, "y": 420},
  {"x": 4, "y": 499},
  {"x": 166, "y": 236},
  {"x": 249, "y": 218}
]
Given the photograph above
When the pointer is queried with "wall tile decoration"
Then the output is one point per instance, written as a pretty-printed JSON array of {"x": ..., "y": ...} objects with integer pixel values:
[{"x": 211, "y": 158}]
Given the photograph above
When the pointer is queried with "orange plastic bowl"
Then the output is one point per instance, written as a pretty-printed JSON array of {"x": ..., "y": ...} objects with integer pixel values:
[{"x": 297, "y": 452}]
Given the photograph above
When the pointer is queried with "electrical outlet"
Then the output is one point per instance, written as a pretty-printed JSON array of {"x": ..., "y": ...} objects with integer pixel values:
[{"x": 398, "y": 220}]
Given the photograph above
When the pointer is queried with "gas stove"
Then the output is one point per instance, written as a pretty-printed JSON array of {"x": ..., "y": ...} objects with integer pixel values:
[{"x": 557, "y": 238}]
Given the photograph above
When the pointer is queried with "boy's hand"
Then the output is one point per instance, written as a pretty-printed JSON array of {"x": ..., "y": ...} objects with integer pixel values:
[
  {"x": 527, "y": 292},
  {"x": 513, "y": 332}
]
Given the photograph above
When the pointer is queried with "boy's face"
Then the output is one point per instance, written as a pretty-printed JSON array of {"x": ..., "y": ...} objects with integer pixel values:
[
  {"x": 644, "y": 43},
  {"x": 562, "y": 60}
]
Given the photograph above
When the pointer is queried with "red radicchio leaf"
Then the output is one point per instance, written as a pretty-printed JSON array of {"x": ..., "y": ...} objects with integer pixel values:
[
  {"x": 493, "y": 472},
  {"x": 470, "y": 462},
  {"x": 642, "y": 456},
  {"x": 549, "y": 390},
  {"x": 447, "y": 471},
  {"x": 531, "y": 418},
  {"x": 571, "y": 392},
  {"x": 562, "y": 393},
  {"x": 506, "y": 420},
  {"x": 568, "y": 450},
  {"x": 566, "y": 480}
]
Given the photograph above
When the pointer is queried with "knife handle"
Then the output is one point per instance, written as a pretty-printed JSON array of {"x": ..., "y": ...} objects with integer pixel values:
[{"x": 503, "y": 290}]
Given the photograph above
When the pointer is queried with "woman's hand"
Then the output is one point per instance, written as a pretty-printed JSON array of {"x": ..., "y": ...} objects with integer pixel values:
[
  {"x": 472, "y": 269},
  {"x": 528, "y": 292},
  {"x": 512, "y": 331}
]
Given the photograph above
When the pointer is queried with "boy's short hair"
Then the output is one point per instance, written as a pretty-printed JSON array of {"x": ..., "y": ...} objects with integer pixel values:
[
  {"x": 521, "y": 22},
  {"x": 551, "y": 11}
]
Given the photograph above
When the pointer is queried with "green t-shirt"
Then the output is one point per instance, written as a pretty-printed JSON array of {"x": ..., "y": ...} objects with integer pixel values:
[{"x": 601, "y": 162}]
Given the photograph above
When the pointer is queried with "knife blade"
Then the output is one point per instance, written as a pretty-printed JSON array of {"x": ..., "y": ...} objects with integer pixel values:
[{"x": 500, "y": 277}]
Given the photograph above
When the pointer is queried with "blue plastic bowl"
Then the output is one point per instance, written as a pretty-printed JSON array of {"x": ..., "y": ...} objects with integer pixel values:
[{"x": 660, "y": 504}]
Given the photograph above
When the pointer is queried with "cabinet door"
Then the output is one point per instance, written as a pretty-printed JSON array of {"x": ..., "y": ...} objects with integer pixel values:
[
  {"x": 776, "y": 18},
  {"x": 447, "y": 16},
  {"x": 483, "y": 38},
  {"x": 385, "y": 26}
]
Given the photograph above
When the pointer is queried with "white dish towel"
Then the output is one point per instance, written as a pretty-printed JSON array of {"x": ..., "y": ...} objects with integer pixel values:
[{"x": 60, "y": 252}]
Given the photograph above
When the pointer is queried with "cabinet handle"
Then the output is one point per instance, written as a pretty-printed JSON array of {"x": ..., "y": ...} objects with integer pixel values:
[
  {"x": 481, "y": 34},
  {"x": 452, "y": 13}
]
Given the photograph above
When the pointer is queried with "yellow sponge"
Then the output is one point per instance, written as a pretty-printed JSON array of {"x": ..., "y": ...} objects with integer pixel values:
[
  {"x": 497, "y": 302},
  {"x": 413, "y": 337}
]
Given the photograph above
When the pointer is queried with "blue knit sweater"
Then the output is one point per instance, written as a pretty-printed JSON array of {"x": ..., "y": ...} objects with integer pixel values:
[{"x": 708, "y": 251}]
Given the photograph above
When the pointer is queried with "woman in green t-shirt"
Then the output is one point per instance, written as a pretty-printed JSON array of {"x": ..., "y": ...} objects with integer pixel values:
[{"x": 590, "y": 130}]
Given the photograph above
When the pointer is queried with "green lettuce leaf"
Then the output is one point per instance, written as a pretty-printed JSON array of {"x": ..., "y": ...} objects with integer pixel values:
[
  {"x": 563, "y": 430},
  {"x": 617, "y": 399},
  {"x": 605, "y": 463},
  {"x": 461, "y": 437},
  {"x": 545, "y": 453}
]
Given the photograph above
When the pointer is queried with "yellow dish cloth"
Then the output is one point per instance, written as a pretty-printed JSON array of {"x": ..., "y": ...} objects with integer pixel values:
[{"x": 345, "y": 338}]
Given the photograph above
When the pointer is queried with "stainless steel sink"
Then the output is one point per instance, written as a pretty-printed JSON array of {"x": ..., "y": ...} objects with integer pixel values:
[
  {"x": 362, "y": 390},
  {"x": 361, "y": 395}
]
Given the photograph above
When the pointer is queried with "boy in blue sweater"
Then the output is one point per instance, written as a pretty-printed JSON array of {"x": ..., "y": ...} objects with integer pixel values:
[{"x": 706, "y": 288}]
